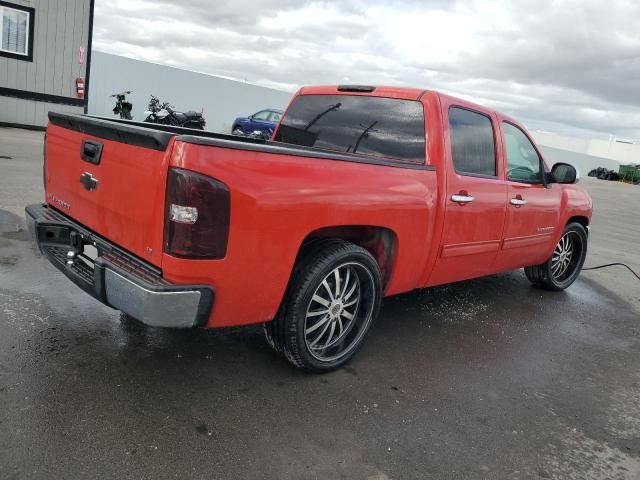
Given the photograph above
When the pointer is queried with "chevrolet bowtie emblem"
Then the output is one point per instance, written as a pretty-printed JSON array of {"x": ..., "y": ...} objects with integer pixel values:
[{"x": 87, "y": 180}]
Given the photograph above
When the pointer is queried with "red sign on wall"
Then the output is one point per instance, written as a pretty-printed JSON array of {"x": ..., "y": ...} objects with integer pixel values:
[{"x": 80, "y": 87}]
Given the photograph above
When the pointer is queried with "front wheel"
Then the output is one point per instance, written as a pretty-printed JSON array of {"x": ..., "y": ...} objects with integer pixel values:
[
  {"x": 333, "y": 298},
  {"x": 565, "y": 263},
  {"x": 237, "y": 131}
]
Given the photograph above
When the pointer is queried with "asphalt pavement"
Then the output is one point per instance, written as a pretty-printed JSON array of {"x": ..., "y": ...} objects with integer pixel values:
[{"x": 485, "y": 379}]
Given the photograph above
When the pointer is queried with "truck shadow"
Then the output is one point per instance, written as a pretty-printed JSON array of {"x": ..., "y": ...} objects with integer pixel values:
[
  {"x": 405, "y": 319},
  {"x": 495, "y": 312}
]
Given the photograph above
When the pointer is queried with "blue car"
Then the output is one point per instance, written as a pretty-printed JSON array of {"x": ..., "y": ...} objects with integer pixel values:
[{"x": 264, "y": 121}]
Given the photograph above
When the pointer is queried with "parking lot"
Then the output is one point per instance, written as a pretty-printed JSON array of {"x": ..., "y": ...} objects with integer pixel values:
[{"x": 488, "y": 378}]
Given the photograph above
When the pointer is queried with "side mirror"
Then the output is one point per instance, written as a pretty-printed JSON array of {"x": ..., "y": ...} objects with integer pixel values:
[
  {"x": 250, "y": 117},
  {"x": 564, "y": 173}
]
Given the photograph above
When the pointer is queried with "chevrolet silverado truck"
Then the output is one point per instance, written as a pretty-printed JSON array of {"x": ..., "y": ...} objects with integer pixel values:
[{"x": 364, "y": 192}]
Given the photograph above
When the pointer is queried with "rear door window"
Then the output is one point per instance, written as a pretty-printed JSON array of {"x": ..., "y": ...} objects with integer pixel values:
[
  {"x": 377, "y": 126},
  {"x": 473, "y": 148}
]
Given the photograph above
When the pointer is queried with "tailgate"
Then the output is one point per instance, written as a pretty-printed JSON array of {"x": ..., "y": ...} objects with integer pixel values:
[{"x": 109, "y": 177}]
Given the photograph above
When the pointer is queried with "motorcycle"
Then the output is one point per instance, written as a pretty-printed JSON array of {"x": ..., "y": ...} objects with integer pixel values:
[
  {"x": 165, "y": 114},
  {"x": 122, "y": 108},
  {"x": 604, "y": 174}
]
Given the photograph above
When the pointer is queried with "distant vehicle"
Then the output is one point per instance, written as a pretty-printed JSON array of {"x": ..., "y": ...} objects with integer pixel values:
[
  {"x": 165, "y": 114},
  {"x": 122, "y": 108},
  {"x": 264, "y": 121}
]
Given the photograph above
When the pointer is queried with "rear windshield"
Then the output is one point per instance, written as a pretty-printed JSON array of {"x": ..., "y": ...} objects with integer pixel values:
[{"x": 383, "y": 127}]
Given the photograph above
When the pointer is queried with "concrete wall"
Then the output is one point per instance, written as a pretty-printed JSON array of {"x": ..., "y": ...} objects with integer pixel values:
[
  {"x": 584, "y": 163},
  {"x": 223, "y": 100},
  {"x": 613, "y": 148},
  {"x": 61, "y": 28}
]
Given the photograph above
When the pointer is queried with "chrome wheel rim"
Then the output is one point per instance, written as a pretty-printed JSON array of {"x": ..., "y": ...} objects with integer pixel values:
[
  {"x": 565, "y": 256},
  {"x": 339, "y": 312}
]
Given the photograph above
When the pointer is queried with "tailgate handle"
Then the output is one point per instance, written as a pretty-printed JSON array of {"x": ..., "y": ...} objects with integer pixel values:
[{"x": 91, "y": 151}]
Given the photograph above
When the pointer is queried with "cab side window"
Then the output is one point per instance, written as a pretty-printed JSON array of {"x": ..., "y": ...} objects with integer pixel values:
[
  {"x": 523, "y": 162},
  {"x": 473, "y": 148}
]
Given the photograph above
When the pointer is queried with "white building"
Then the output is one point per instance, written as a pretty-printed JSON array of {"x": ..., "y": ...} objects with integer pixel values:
[
  {"x": 45, "y": 58},
  {"x": 616, "y": 148}
]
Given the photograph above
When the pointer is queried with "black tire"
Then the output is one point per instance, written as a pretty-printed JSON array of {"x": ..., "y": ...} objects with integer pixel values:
[
  {"x": 543, "y": 275},
  {"x": 289, "y": 333},
  {"x": 237, "y": 131}
]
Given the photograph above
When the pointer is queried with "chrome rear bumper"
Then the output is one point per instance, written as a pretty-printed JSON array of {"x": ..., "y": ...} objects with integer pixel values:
[{"x": 115, "y": 277}]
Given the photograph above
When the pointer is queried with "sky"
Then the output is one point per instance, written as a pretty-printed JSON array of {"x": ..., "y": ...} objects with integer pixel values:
[{"x": 570, "y": 67}]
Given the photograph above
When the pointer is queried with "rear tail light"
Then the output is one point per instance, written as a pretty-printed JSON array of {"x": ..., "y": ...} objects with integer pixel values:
[{"x": 197, "y": 215}]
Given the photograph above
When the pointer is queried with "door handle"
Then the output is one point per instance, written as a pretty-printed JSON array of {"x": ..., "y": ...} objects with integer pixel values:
[
  {"x": 518, "y": 202},
  {"x": 459, "y": 198}
]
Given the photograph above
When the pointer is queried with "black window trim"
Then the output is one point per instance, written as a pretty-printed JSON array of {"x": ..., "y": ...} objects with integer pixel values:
[
  {"x": 543, "y": 171},
  {"x": 495, "y": 143},
  {"x": 31, "y": 28}
]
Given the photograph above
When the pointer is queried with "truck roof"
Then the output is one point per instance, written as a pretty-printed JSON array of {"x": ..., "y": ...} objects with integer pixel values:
[{"x": 405, "y": 93}]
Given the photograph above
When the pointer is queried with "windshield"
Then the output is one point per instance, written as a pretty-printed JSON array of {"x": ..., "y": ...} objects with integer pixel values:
[{"x": 384, "y": 127}]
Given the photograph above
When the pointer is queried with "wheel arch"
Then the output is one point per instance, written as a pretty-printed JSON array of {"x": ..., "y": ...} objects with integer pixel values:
[
  {"x": 381, "y": 242},
  {"x": 582, "y": 220}
]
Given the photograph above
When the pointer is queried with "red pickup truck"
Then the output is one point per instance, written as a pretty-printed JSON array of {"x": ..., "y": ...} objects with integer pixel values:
[{"x": 363, "y": 192}]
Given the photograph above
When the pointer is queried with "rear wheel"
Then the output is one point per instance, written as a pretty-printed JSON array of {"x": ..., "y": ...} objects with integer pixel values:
[
  {"x": 333, "y": 298},
  {"x": 565, "y": 263}
]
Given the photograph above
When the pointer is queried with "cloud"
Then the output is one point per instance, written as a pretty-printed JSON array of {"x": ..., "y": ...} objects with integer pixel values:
[{"x": 568, "y": 66}]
